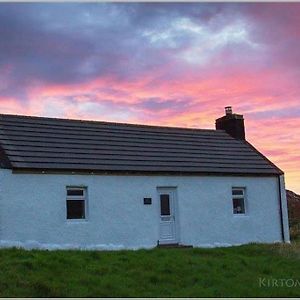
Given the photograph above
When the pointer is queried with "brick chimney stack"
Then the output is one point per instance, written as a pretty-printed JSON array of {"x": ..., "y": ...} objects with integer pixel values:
[{"x": 232, "y": 123}]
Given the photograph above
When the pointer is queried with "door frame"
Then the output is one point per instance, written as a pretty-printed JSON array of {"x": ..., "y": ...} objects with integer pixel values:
[{"x": 172, "y": 191}]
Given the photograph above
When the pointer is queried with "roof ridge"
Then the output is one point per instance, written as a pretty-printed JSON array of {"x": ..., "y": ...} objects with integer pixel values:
[{"x": 108, "y": 123}]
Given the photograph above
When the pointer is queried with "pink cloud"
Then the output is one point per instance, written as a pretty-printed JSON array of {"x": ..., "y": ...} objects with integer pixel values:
[{"x": 196, "y": 67}]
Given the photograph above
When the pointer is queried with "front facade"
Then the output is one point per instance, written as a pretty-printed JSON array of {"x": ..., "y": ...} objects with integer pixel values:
[{"x": 53, "y": 205}]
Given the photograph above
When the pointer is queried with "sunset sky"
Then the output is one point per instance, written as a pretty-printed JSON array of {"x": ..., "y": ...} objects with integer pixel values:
[{"x": 163, "y": 64}]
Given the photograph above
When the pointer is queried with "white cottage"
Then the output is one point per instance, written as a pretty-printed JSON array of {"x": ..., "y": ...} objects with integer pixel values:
[{"x": 99, "y": 185}]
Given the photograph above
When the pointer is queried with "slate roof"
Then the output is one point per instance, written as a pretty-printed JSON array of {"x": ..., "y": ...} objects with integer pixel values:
[{"x": 35, "y": 143}]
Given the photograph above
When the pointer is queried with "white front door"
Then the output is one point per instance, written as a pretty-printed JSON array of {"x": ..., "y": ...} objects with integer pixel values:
[{"x": 167, "y": 211}]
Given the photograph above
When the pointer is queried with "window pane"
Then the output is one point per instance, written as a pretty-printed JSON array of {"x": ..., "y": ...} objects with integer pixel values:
[
  {"x": 164, "y": 205},
  {"x": 75, "y": 209},
  {"x": 238, "y": 206},
  {"x": 238, "y": 192},
  {"x": 72, "y": 192}
]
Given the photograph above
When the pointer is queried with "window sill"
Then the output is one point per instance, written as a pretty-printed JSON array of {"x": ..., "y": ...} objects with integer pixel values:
[{"x": 76, "y": 221}]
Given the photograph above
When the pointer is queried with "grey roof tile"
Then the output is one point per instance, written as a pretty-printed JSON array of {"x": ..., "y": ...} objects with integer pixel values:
[{"x": 75, "y": 145}]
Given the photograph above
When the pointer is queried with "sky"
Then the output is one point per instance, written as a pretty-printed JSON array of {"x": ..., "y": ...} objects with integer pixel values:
[{"x": 168, "y": 64}]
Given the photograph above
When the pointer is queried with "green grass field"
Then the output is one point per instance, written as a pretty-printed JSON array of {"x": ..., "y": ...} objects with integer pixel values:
[{"x": 219, "y": 272}]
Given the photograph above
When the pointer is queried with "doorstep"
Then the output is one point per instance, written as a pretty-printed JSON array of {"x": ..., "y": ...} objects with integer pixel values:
[{"x": 175, "y": 245}]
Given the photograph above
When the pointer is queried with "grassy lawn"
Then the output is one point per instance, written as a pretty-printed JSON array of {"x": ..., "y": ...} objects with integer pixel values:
[{"x": 219, "y": 272}]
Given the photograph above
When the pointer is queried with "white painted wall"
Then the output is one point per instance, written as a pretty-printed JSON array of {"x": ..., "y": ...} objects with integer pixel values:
[{"x": 33, "y": 208}]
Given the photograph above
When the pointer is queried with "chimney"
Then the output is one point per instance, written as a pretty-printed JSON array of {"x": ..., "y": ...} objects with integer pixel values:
[{"x": 232, "y": 123}]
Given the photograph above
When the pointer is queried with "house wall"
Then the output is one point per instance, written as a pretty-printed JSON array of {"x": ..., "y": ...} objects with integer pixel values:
[{"x": 33, "y": 208}]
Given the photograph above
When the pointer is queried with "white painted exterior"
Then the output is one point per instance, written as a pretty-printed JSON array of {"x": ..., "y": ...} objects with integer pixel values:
[{"x": 33, "y": 211}]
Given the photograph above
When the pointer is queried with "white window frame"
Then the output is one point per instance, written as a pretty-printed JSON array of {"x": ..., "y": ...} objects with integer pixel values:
[
  {"x": 80, "y": 197},
  {"x": 243, "y": 197}
]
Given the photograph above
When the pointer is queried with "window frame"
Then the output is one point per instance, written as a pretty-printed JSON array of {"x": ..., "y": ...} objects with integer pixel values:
[
  {"x": 243, "y": 197},
  {"x": 82, "y": 197}
]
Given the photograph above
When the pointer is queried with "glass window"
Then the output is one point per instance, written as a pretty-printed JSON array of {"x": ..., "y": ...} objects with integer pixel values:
[
  {"x": 75, "y": 192},
  {"x": 164, "y": 205},
  {"x": 237, "y": 192},
  {"x": 238, "y": 206},
  {"x": 76, "y": 203},
  {"x": 75, "y": 209},
  {"x": 238, "y": 200}
]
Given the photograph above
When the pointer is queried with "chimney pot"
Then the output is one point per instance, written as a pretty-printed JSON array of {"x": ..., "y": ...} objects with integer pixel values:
[{"x": 228, "y": 110}]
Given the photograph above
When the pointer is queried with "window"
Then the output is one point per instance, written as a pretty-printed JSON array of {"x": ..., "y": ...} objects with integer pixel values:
[
  {"x": 164, "y": 205},
  {"x": 238, "y": 200},
  {"x": 76, "y": 203}
]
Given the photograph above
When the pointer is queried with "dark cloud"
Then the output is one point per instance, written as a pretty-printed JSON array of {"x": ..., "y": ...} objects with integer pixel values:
[
  {"x": 71, "y": 43},
  {"x": 67, "y": 43},
  {"x": 157, "y": 104},
  {"x": 279, "y": 113}
]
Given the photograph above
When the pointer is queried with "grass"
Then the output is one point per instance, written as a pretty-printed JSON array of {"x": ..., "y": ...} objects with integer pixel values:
[{"x": 219, "y": 272}]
